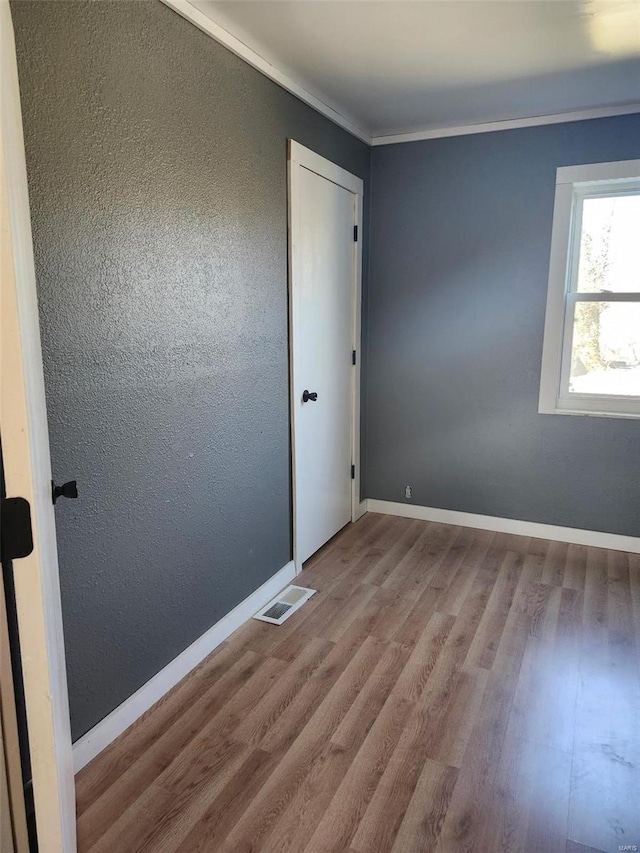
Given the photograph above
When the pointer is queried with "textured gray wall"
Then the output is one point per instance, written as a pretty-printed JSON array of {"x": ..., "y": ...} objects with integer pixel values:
[
  {"x": 157, "y": 176},
  {"x": 460, "y": 236}
]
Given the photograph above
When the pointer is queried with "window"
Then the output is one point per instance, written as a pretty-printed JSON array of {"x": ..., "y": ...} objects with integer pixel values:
[{"x": 591, "y": 352}]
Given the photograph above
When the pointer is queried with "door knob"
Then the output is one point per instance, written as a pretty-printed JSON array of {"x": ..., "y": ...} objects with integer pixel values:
[
  {"x": 309, "y": 395},
  {"x": 66, "y": 490}
]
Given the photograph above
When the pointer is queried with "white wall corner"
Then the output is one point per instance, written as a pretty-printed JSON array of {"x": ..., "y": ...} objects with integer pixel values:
[{"x": 101, "y": 735}]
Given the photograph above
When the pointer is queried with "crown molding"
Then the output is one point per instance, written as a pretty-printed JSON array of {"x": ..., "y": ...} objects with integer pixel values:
[
  {"x": 508, "y": 124},
  {"x": 224, "y": 37},
  {"x": 216, "y": 31}
]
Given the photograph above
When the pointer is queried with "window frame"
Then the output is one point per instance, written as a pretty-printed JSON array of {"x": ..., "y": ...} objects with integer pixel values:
[{"x": 573, "y": 185}]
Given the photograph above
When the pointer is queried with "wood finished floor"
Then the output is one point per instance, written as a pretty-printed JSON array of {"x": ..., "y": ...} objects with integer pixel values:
[{"x": 445, "y": 690}]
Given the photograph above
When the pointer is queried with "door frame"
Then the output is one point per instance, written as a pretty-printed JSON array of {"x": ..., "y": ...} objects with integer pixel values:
[
  {"x": 299, "y": 158},
  {"x": 27, "y": 470},
  {"x": 10, "y": 740}
]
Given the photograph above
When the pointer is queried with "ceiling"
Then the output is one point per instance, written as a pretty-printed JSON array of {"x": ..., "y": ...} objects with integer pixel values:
[{"x": 397, "y": 66}]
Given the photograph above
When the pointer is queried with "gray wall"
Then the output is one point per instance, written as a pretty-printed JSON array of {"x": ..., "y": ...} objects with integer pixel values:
[
  {"x": 157, "y": 176},
  {"x": 460, "y": 236}
]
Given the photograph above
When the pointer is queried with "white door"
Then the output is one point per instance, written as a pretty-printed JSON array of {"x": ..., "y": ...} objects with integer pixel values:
[{"x": 324, "y": 272}]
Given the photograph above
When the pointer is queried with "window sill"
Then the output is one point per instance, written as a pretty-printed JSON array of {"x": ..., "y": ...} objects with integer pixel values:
[{"x": 587, "y": 413}]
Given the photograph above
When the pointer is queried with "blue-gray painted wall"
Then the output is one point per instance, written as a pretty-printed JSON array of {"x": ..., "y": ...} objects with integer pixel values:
[
  {"x": 157, "y": 177},
  {"x": 460, "y": 237}
]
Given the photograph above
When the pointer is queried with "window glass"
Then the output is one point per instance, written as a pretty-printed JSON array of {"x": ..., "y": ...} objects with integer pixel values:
[
  {"x": 610, "y": 245},
  {"x": 605, "y": 351}
]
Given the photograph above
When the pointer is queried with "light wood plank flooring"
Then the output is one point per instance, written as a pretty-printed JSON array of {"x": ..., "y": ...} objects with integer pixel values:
[{"x": 445, "y": 690}]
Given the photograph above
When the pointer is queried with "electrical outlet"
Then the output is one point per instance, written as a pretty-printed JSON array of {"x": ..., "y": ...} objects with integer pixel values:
[{"x": 407, "y": 493}]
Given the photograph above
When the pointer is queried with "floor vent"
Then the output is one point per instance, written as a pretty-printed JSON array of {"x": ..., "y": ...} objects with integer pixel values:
[{"x": 284, "y": 604}]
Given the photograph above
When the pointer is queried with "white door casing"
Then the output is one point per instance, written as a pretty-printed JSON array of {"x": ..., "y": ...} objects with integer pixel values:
[
  {"x": 13, "y": 817},
  {"x": 325, "y": 205},
  {"x": 27, "y": 468},
  {"x": 6, "y": 821}
]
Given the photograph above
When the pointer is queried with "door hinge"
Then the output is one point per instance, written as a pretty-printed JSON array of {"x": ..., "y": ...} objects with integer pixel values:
[
  {"x": 353, "y": 472},
  {"x": 355, "y": 233},
  {"x": 17, "y": 535},
  {"x": 353, "y": 357}
]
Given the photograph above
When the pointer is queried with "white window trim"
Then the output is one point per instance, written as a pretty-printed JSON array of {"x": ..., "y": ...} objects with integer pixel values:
[{"x": 574, "y": 182}]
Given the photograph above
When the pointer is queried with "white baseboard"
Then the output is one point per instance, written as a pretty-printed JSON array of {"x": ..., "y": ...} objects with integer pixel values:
[
  {"x": 573, "y": 535},
  {"x": 360, "y": 511},
  {"x": 107, "y": 730}
]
